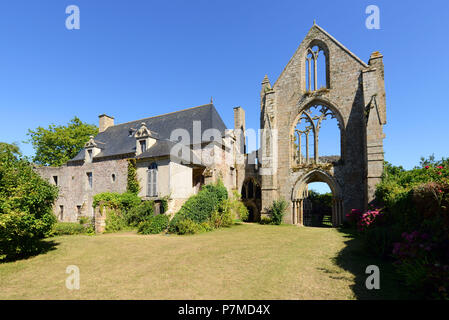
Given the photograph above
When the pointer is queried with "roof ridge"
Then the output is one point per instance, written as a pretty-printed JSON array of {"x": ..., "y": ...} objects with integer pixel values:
[{"x": 164, "y": 114}]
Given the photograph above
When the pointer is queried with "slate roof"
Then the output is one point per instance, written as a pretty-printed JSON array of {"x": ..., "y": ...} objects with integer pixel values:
[
  {"x": 116, "y": 140},
  {"x": 164, "y": 148}
]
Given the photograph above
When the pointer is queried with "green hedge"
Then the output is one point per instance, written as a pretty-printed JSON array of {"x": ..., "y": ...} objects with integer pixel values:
[
  {"x": 207, "y": 210},
  {"x": 70, "y": 228},
  {"x": 144, "y": 211},
  {"x": 154, "y": 225},
  {"x": 119, "y": 209}
]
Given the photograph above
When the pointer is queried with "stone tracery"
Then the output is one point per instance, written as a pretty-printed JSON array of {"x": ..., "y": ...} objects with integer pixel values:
[{"x": 308, "y": 126}]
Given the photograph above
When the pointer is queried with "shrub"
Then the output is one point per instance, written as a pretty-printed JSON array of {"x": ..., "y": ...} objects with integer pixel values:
[
  {"x": 128, "y": 201},
  {"x": 68, "y": 228},
  {"x": 238, "y": 208},
  {"x": 118, "y": 207},
  {"x": 84, "y": 220},
  {"x": 187, "y": 226},
  {"x": 26, "y": 202},
  {"x": 200, "y": 207},
  {"x": 422, "y": 262},
  {"x": 207, "y": 210},
  {"x": 277, "y": 211},
  {"x": 265, "y": 220},
  {"x": 154, "y": 225},
  {"x": 413, "y": 226},
  {"x": 114, "y": 220},
  {"x": 143, "y": 212}
]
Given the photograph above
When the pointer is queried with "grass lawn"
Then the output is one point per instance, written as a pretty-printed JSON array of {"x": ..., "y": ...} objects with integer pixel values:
[{"x": 247, "y": 261}]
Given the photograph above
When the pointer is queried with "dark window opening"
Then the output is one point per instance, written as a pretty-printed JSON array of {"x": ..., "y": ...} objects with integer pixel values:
[
  {"x": 143, "y": 146},
  {"x": 90, "y": 180},
  {"x": 55, "y": 180}
]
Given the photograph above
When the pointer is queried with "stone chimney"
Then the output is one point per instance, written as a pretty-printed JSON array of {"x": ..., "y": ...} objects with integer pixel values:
[
  {"x": 239, "y": 118},
  {"x": 105, "y": 122},
  {"x": 239, "y": 129}
]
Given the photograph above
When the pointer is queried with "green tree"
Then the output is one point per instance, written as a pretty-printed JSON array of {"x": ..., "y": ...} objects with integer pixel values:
[
  {"x": 26, "y": 202},
  {"x": 56, "y": 145}
]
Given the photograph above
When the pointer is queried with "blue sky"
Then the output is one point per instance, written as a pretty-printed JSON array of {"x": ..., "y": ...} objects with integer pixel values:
[{"x": 134, "y": 59}]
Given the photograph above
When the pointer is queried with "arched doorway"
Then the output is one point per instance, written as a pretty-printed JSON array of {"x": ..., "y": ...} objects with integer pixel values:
[
  {"x": 251, "y": 197},
  {"x": 301, "y": 204},
  {"x": 317, "y": 207}
]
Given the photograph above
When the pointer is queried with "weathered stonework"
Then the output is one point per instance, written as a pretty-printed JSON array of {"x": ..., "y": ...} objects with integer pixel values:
[{"x": 353, "y": 87}]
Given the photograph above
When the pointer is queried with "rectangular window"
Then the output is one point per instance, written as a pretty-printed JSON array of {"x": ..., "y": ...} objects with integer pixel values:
[
  {"x": 89, "y": 180},
  {"x": 152, "y": 183},
  {"x": 89, "y": 152},
  {"x": 55, "y": 180},
  {"x": 61, "y": 213},
  {"x": 143, "y": 146}
]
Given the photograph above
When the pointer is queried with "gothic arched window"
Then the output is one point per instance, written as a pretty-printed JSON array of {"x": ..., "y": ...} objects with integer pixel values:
[
  {"x": 316, "y": 69},
  {"x": 317, "y": 136}
]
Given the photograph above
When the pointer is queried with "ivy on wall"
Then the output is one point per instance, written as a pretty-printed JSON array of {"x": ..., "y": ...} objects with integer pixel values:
[{"x": 133, "y": 183}]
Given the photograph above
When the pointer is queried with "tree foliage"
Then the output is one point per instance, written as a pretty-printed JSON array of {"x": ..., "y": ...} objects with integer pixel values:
[
  {"x": 26, "y": 202},
  {"x": 56, "y": 145}
]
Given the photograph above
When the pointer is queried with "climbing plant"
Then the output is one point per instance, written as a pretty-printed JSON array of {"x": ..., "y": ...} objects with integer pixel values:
[{"x": 133, "y": 183}]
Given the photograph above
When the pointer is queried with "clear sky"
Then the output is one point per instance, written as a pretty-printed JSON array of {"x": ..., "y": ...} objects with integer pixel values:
[{"x": 134, "y": 59}]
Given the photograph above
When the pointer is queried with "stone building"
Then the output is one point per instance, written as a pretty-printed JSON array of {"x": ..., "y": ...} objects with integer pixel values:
[{"x": 178, "y": 152}]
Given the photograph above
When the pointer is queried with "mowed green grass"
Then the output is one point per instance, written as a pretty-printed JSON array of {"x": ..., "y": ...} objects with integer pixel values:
[{"x": 247, "y": 261}]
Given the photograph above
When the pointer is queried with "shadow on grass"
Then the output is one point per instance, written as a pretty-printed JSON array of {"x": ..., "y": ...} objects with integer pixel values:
[
  {"x": 41, "y": 247},
  {"x": 353, "y": 258}
]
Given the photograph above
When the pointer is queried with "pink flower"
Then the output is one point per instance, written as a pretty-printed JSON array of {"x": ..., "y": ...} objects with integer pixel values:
[
  {"x": 427, "y": 167},
  {"x": 439, "y": 173},
  {"x": 440, "y": 167}
]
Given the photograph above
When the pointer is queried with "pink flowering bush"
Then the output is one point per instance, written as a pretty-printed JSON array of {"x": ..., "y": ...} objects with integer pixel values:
[
  {"x": 354, "y": 216},
  {"x": 422, "y": 261},
  {"x": 363, "y": 219},
  {"x": 413, "y": 226},
  {"x": 368, "y": 218}
]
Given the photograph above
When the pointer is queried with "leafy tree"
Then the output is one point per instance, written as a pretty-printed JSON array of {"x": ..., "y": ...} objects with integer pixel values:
[
  {"x": 26, "y": 202},
  {"x": 9, "y": 149},
  {"x": 56, "y": 145}
]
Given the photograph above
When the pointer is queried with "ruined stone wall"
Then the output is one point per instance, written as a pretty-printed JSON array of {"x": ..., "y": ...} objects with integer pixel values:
[{"x": 344, "y": 96}]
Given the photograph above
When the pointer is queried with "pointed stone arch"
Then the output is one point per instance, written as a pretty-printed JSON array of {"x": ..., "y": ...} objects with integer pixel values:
[
  {"x": 299, "y": 193},
  {"x": 301, "y": 108},
  {"x": 313, "y": 61}
]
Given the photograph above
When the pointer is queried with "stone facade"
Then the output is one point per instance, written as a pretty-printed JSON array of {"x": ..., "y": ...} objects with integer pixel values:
[{"x": 75, "y": 192}]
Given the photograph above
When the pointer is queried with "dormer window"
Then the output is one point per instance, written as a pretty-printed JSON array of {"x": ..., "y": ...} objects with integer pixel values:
[
  {"x": 130, "y": 133},
  {"x": 92, "y": 150},
  {"x": 144, "y": 139}
]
